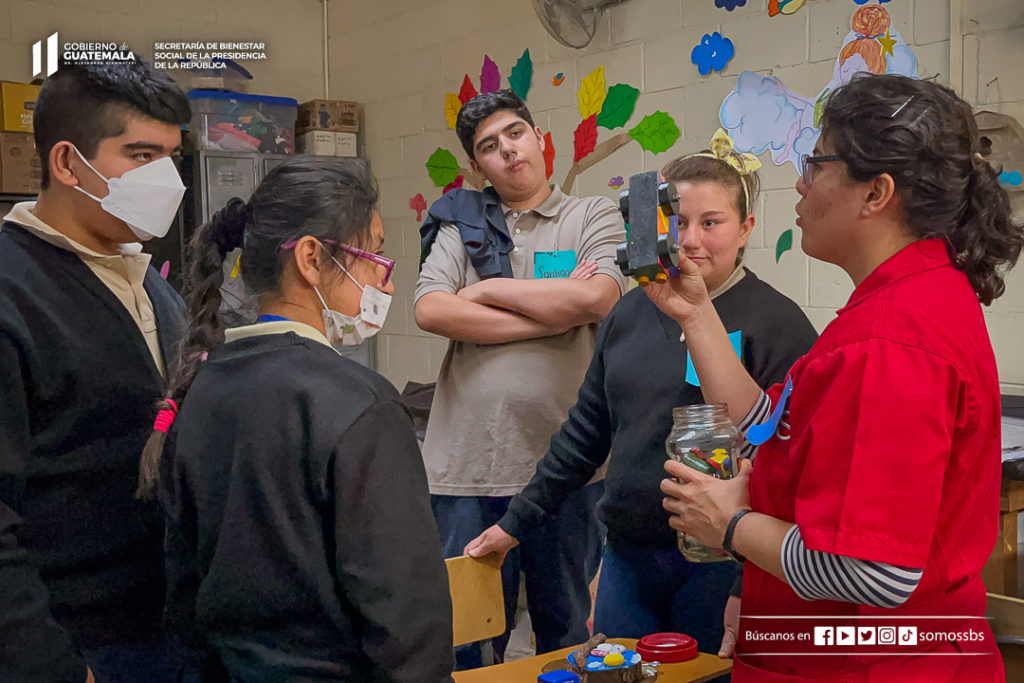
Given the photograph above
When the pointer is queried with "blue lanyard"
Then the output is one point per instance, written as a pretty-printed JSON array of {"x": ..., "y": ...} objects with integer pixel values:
[
  {"x": 267, "y": 318},
  {"x": 758, "y": 434}
]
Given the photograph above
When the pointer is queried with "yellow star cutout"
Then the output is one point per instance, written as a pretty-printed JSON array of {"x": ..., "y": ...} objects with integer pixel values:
[{"x": 887, "y": 42}]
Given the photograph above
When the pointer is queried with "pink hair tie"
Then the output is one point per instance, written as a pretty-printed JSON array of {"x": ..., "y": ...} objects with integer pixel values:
[{"x": 165, "y": 418}]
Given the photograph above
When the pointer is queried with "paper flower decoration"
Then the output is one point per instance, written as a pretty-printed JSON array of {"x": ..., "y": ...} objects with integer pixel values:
[
  {"x": 712, "y": 53},
  {"x": 419, "y": 205},
  {"x": 730, "y": 5},
  {"x": 616, "y": 182}
]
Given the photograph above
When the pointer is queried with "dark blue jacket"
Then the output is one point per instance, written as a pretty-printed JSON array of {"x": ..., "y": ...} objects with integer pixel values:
[{"x": 481, "y": 224}]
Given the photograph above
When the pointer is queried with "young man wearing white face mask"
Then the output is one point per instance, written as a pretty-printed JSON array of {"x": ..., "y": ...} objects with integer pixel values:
[{"x": 88, "y": 331}]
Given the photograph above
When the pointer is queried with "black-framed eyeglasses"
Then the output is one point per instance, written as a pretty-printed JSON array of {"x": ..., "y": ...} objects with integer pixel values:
[{"x": 808, "y": 162}]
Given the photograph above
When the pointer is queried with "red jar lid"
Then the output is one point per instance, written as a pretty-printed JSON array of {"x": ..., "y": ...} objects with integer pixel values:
[{"x": 667, "y": 647}]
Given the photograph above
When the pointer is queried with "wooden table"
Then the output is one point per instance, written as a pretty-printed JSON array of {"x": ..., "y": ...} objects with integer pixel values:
[
  {"x": 703, "y": 668},
  {"x": 1000, "y": 573}
]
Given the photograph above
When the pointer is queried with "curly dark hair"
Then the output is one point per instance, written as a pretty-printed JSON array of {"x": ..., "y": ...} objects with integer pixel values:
[
  {"x": 480, "y": 107},
  {"x": 925, "y": 137}
]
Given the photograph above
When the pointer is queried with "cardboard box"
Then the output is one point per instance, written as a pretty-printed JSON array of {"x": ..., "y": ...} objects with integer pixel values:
[
  {"x": 345, "y": 145},
  {"x": 316, "y": 142},
  {"x": 335, "y": 115},
  {"x": 21, "y": 170},
  {"x": 324, "y": 143},
  {"x": 17, "y": 102}
]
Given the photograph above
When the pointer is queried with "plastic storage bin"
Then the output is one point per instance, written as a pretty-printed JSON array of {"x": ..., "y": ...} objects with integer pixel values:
[{"x": 236, "y": 122}]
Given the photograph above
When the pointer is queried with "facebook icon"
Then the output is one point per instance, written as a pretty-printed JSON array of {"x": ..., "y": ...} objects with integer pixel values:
[{"x": 824, "y": 635}]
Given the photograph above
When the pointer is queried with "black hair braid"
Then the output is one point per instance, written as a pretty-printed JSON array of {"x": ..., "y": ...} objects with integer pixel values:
[{"x": 206, "y": 252}]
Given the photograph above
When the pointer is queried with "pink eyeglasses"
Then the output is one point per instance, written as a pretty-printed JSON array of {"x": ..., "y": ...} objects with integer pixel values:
[{"x": 387, "y": 263}]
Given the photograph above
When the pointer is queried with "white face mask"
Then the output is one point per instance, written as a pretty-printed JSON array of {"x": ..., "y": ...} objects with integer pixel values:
[
  {"x": 146, "y": 198},
  {"x": 352, "y": 331}
]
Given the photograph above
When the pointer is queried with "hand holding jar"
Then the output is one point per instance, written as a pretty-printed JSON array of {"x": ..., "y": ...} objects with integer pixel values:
[{"x": 711, "y": 480}]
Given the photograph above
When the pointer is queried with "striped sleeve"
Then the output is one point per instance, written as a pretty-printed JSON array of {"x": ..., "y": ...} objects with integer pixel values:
[
  {"x": 815, "y": 575},
  {"x": 758, "y": 413}
]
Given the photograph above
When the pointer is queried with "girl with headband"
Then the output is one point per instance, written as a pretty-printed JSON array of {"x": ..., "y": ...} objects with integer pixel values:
[{"x": 624, "y": 413}]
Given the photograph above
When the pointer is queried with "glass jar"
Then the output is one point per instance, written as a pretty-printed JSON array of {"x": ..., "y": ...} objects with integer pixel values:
[{"x": 705, "y": 439}]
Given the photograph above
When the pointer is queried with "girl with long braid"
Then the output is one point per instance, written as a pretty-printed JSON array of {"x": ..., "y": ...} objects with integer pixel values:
[{"x": 300, "y": 542}]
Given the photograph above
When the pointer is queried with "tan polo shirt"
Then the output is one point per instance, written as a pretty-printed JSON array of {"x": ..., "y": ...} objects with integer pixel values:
[
  {"x": 496, "y": 406},
  {"x": 122, "y": 273}
]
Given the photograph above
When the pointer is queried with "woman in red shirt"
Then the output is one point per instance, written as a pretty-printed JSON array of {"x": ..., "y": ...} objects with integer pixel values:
[{"x": 873, "y": 504}]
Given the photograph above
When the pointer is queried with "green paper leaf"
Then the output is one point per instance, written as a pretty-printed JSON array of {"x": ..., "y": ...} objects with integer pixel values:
[
  {"x": 819, "y": 107},
  {"x": 784, "y": 244},
  {"x": 656, "y": 133},
  {"x": 618, "y": 106},
  {"x": 443, "y": 167},
  {"x": 522, "y": 75}
]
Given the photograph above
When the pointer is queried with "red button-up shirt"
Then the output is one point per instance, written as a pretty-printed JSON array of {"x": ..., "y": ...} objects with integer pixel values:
[{"x": 893, "y": 456}]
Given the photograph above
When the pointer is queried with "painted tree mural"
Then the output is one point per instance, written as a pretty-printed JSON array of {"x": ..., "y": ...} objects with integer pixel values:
[{"x": 599, "y": 106}]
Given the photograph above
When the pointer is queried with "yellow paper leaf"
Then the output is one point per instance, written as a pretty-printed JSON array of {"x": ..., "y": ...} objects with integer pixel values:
[
  {"x": 592, "y": 93},
  {"x": 452, "y": 105}
]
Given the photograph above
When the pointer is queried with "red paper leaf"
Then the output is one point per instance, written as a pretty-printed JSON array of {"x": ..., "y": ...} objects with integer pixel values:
[
  {"x": 453, "y": 185},
  {"x": 585, "y": 137},
  {"x": 419, "y": 205},
  {"x": 549, "y": 154},
  {"x": 468, "y": 90}
]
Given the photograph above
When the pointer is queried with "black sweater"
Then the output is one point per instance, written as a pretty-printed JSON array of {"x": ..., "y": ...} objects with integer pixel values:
[
  {"x": 301, "y": 544},
  {"x": 80, "y": 559},
  {"x": 624, "y": 410}
]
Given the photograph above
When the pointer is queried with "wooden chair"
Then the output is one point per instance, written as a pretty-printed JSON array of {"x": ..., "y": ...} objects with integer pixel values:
[
  {"x": 1006, "y": 617},
  {"x": 478, "y": 607},
  {"x": 1000, "y": 572}
]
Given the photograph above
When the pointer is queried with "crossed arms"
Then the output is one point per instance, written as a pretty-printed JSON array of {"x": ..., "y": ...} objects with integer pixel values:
[{"x": 503, "y": 310}]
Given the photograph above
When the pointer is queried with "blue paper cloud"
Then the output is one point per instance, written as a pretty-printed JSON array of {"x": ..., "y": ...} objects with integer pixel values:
[
  {"x": 758, "y": 114},
  {"x": 712, "y": 53},
  {"x": 1014, "y": 178},
  {"x": 730, "y": 5}
]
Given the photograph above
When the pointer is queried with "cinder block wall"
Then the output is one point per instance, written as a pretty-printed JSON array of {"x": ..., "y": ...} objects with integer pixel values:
[{"x": 402, "y": 56}]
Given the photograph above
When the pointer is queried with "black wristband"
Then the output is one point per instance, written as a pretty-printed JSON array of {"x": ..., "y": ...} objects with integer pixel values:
[{"x": 727, "y": 541}]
